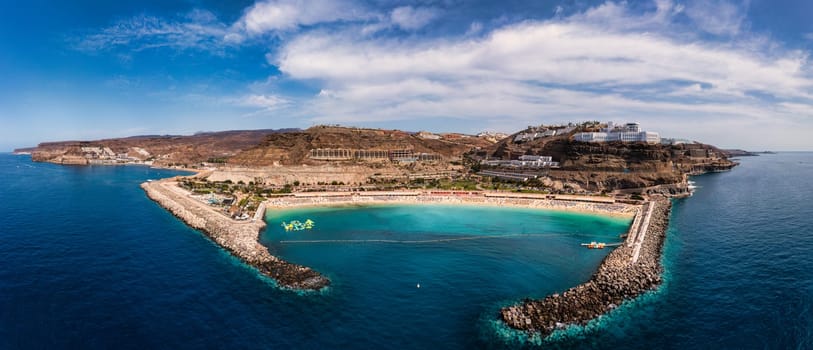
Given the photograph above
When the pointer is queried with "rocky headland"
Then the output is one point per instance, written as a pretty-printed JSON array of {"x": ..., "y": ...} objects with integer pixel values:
[
  {"x": 239, "y": 238},
  {"x": 627, "y": 272}
]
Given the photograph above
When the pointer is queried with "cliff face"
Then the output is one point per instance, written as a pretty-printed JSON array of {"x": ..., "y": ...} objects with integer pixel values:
[
  {"x": 67, "y": 155},
  {"x": 616, "y": 165}
]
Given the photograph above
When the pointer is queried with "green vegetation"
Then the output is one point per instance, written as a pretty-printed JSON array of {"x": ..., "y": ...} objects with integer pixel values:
[{"x": 446, "y": 184}]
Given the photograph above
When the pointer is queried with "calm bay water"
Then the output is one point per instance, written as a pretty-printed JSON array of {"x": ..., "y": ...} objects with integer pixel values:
[{"x": 87, "y": 261}]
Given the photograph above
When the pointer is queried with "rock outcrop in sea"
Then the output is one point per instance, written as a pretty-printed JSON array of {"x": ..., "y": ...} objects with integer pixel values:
[
  {"x": 627, "y": 272},
  {"x": 239, "y": 238}
]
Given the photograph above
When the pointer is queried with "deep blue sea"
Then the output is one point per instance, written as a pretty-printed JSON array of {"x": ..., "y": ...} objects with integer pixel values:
[{"x": 87, "y": 261}]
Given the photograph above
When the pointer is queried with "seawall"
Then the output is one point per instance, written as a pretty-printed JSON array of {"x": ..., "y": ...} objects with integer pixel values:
[
  {"x": 238, "y": 238},
  {"x": 627, "y": 272}
]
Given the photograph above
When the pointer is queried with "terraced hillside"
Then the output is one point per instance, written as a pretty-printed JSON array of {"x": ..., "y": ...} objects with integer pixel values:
[{"x": 293, "y": 148}]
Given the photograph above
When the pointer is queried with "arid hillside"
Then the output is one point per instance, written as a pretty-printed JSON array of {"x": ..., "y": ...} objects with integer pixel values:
[
  {"x": 293, "y": 148},
  {"x": 610, "y": 166},
  {"x": 254, "y": 148},
  {"x": 162, "y": 150}
]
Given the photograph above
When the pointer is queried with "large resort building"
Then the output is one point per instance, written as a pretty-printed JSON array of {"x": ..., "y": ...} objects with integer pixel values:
[
  {"x": 629, "y": 132},
  {"x": 396, "y": 155}
]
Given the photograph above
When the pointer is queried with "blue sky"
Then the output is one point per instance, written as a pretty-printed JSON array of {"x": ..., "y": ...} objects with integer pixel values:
[{"x": 732, "y": 73}]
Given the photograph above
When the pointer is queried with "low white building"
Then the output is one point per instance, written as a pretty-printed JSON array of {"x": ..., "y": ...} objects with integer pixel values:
[
  {"x": 428, "y": 135},
  {"x": 630, "y": 132},
  {"x": 525, "y": 162},
  {"x": 675, "y": 141}
]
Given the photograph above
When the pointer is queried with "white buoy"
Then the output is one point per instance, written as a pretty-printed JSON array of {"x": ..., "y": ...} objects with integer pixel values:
[{"x": 419, "y": 285}]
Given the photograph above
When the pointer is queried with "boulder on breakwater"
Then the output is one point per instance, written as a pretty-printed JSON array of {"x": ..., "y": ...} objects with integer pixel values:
[
  {"x": 239, "y": 238},
  {"x": 617, "y": 279}
]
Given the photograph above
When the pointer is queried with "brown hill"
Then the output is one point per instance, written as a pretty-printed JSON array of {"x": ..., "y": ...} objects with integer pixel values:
[
  {"x": 293, "y": 148},
  {"x": 163, "y": 149},
  {"x": 612, "y": 165}
]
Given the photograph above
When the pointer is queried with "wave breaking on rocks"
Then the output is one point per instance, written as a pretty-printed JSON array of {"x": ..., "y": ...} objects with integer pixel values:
[
  {"x": 627, "y": 272},
  {"x": 238, "y": 238}
]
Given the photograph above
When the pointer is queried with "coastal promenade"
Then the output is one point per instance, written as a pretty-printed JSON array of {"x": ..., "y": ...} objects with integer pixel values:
[
  {"x": 627, "y": 272},
  {"x": 239, "y": 238}
]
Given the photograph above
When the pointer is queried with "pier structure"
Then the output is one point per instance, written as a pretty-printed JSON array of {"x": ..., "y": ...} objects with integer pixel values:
[
  {"x": 241, "y": 239},
  {"x": 627, "y": 272},
  {"x": 640, "y": 235},
  {"x": 634, "y": 227}
]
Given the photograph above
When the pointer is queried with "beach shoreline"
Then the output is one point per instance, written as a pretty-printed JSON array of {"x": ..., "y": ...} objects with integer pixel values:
[{"x": 539, "y": 202}]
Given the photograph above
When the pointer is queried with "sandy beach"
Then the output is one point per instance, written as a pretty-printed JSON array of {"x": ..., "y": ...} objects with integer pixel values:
[{"x": 584, "y": 205}]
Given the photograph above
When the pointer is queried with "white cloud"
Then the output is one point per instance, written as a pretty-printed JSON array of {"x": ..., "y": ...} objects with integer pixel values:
[
  {"x": 265, "y": 102},
  {"x": 606, "y": 62},
  {"x": 198, "y": 29},
  {"x": 281, "y": 15},
  {"x": 547, "y": 52},
  {"x": 411, "y": 18},
  {"x": 719, "y": 17},
  {"x": 609, "y": 61},
  {"x": 474, "y": 29},
  {"x": 201, "y": 30}
]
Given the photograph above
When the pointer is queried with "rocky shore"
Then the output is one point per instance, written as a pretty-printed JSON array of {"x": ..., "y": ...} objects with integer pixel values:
[
  {"x": 239, "y": 238},
  {"x": 627, "y": 272}
]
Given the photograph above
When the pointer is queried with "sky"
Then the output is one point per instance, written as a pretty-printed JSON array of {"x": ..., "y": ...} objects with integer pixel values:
[{"x": 733, "y": 73}]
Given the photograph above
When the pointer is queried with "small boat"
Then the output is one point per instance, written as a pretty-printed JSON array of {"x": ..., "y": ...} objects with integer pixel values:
[{"x": 595, "y": 245}]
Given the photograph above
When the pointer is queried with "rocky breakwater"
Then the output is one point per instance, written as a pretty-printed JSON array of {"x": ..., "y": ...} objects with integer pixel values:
[
  {"x": 239, "y": 238},
  {"x": 618, "y": 279}
]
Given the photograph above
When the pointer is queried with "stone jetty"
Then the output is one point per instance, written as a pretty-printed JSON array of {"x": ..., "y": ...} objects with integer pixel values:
[
  {"x": 627, "y": 272},
  {"x": 239, "y": 238}
]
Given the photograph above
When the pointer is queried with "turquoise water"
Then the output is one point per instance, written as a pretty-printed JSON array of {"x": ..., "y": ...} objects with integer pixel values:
[
  {"x": 87, "y": 261},
  {"x": 467, "y": 260}
]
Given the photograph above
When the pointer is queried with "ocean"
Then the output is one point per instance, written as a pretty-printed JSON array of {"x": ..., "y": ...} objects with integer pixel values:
[{"x": 88, "y": 261}]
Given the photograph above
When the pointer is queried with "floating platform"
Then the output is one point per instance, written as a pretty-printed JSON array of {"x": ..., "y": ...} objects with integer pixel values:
[{"x": 296, "y": 225}]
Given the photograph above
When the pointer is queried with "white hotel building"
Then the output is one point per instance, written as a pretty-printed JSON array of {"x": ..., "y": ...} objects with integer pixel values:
[{"x": 630, "y": 132}]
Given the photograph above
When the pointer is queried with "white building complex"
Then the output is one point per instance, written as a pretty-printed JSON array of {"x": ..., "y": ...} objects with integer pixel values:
[
  {"x": 525, "y": 161},
  {"x": 630, "y": 132}
]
